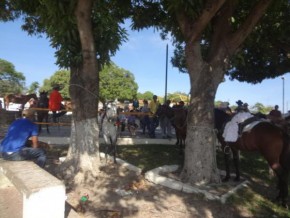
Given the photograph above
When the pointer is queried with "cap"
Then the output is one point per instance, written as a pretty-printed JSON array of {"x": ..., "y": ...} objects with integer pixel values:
[
  {"x": 27, "y": 113},
  {"x": 154, "y": 96}
]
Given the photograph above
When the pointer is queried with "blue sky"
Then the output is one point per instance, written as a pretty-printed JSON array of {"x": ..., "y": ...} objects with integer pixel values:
[{"x": 144, "y": 55}]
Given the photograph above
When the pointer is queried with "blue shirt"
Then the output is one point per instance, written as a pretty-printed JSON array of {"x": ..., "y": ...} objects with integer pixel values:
[{"x": 18, "y": 134}]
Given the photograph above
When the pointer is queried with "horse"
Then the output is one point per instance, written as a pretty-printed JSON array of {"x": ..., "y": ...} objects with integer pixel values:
[
  {"x": 42, "y": 115},
  {"x": 271, "y": 141},
  {"x": 179, "y": 122},
  {"x": 109, "y": 127},
  {"x": 18, "y": 99}
]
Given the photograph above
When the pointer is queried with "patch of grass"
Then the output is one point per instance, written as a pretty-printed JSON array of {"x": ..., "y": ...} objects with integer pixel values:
[{"x": 149, "y": 156}]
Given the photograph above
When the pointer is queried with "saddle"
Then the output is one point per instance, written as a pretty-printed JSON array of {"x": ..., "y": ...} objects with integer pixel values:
[{"x": 245, "y": 126}]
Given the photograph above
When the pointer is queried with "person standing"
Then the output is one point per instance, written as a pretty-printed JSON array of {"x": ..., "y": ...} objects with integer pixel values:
[
  {"x": 164, "y": 113},
  {"x": 135, "y": 104},
  {"x": 154, "y": 121},
  {"x": 55, "y": 105},
  {"x": 145, "y": 121},
  {"x": 15, "y": 146}
]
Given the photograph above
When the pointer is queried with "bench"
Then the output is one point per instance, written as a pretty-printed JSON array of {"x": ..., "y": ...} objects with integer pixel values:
[{"x": 43, "y": 194}]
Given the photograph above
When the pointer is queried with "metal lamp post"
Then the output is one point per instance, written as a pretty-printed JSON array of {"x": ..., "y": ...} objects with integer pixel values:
[
  {"x": 283, "y": 93},
  {"x": 166, "y": 69}
]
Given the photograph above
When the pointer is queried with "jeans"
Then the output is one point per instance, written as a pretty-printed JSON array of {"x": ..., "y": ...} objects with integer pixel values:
[
  {"x": 154, "y": 122},
  {"x": 145, "y": 122},
  {"x": 27, "y": 153}
]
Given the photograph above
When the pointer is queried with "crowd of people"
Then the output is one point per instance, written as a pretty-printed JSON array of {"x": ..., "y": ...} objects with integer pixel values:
[
  {"x": 152, "y": 114},
  {"x": 24, "y": 146}
]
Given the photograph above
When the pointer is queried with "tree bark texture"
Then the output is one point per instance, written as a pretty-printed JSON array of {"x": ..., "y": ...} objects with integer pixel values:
[
  {"x": 82, "y": 161},
  {"x": 200, "y": 154}
]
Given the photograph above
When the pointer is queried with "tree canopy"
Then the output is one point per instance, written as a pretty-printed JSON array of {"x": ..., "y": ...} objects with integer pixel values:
[
  {"x": 33, "y": 87},
  {"x": 146, "y": 95},
  {"x": 117, "y": 83},
  {"x": 61, "y": 78},
  {"x": 264, "y": 54},
  {"x": 11, "y": 81}
]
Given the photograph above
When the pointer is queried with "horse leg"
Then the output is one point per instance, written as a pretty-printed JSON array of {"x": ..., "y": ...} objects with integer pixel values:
[
  {"x": 227, "y": 166},
  {"x": 282, "y": 175},
  {"x": 106, "y": 139},
  {"x": 236, "y": 160},
  {"x": 177, "y": 141},
  {"x": 47, "y": 126},
  {"x": 115, "y": 151},
  {"x": 39, "y": 119},
  {"x": 177, "y": 136},
  {"x": 180, "y": 146}
]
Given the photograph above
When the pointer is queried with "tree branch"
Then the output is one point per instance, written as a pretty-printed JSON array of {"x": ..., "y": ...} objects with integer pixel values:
[
  {"x": 246, "y": 28},
  {"x": 221, "y": 27},
  {"x": 192, "y": 30}
]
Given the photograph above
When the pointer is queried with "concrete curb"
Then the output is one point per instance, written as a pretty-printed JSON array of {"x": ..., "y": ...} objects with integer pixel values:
[{"x": 154, "y": 177}]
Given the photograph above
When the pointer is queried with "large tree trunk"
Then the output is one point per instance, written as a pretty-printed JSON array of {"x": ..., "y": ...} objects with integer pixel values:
[
  {"x": 205, "y": 76},
  {"x": 200, "y": 152},
  {"x": 82, "y": 161}
]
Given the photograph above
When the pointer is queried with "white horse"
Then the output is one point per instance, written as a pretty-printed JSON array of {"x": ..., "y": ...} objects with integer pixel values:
[{"x": 110, "y": 128}]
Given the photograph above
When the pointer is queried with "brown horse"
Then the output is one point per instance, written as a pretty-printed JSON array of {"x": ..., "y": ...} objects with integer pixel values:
[
  {"x": 179, "y": 123},
  {"x": 18, "y": 99},
  {"x": 266, "y": 138}
]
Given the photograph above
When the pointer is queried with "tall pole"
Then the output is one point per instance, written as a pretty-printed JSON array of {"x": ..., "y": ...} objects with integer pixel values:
[
  {"x": 283, "y": 93},
  {"x": 166, "y": 67}
]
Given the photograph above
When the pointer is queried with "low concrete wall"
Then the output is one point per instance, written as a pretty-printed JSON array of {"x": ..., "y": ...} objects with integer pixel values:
[{"x": 43, "y": 194}]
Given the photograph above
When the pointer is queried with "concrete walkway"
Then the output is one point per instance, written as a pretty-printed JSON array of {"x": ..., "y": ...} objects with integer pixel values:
[{"x": 61, "y": 135}]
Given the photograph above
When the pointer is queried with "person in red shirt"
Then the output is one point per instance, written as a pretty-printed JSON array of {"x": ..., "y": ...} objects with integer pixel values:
[{"x": 55, "y": 104}]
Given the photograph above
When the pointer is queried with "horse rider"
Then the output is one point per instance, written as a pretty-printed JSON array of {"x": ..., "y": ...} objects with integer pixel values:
[
  {"x": 30, "y": 104},
  {"x": 275, "y": 115},
  {"x": 231, "y": 131},
  {"x": 55, "y": 104}
]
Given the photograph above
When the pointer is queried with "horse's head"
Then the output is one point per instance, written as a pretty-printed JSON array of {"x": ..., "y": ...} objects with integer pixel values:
[
  {"x": 111, "y": 110},
  {"x": 43, "y": 99},
  {"x": 43, "y": 94}
]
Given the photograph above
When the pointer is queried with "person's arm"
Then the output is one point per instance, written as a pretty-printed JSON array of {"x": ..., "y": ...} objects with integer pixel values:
[{"x": 34, "y": 140}]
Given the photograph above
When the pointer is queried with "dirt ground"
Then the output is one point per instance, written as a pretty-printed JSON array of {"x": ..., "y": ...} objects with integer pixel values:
[{"x": 119, "y": 192}]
